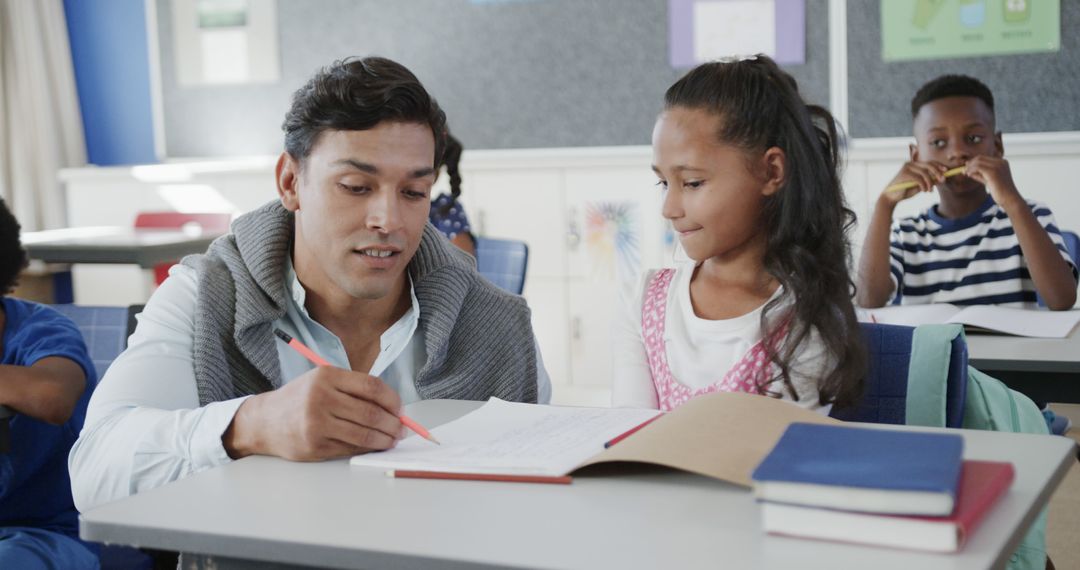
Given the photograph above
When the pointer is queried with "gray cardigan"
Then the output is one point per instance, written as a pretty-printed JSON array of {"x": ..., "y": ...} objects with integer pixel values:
[{"x": 478, "y": 338}]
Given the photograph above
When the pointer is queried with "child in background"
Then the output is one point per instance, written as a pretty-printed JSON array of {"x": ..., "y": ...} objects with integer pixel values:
[
  {"x": 983, "y": 243},
  {"x": 750, "y": 182},
  {"x": 447, "y": 215},
  {"x": 46, "y": 378}
]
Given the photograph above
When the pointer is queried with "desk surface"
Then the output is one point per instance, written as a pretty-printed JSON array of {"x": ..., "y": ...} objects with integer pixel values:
[
  {"x": 331, "y": 514},
  {"x": 1006, "y": 352},
  {"x": 1046, "y": 369},
  {"x": 114, "y": 244}
]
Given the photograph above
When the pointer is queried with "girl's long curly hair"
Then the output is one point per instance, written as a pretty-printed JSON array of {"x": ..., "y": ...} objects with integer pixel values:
[{"x": 807, "y": 221}]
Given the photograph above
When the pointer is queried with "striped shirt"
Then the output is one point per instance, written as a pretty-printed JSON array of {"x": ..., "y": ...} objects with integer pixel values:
[{"x": 974, "y": 260}]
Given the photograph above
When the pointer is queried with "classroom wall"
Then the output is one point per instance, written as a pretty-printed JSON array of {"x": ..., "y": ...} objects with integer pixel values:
[
  {"x": 110, "y": 54},
  {"x": 537, "y": 74}
]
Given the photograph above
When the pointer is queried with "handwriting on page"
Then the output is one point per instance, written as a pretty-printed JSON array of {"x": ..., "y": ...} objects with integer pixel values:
[{"x": 506, "y": 437}]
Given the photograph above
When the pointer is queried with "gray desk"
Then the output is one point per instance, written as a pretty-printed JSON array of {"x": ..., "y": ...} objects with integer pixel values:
[
  {"x": 331, "y": 514},
  {"x": 112, "y": 244},
  {"x": 1047, "y": 370}
]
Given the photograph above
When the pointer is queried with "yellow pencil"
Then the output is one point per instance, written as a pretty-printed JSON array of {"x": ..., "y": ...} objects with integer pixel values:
[{"x": 912, "y": 183}]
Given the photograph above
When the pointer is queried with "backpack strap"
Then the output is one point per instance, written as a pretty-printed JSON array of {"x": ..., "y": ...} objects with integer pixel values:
[{"x": 928, "y": 374}]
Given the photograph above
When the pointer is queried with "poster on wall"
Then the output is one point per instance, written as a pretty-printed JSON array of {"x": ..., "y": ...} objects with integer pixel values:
[
  {"x": 612, "y": 240},
  {"x": 934, "y": 29},
  {"x": 219, "y": 42},
  {"x": 706, "y": 30}
]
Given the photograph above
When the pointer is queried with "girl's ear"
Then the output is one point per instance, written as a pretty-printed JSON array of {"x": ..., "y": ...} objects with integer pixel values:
[
  {"x": 775, "y": 161},
  {"x": 287, "y": 173}
]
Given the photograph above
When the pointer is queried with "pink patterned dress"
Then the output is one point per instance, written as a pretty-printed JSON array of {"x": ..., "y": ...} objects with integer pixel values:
[{"x": 751, "y": 371}]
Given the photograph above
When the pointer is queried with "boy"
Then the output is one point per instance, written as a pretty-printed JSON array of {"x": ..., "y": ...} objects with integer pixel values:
[
  {"x": 983, "y": 243},
  {"x": 46, "y": 377}
]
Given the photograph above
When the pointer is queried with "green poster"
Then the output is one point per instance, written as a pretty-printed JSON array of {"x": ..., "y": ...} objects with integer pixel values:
[{"x": 932, "y": 29}]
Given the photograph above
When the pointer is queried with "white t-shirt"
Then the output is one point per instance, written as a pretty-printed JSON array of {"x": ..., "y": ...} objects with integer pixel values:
[{"x": 699, "y": 351}]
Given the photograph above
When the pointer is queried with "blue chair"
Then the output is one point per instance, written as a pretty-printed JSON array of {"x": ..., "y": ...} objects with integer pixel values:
[
  {"x": 885, "y": 396},
  {"x": 103, "y": 328},
  {"x": 503, "y": 262},
  {"x": 105, "y": 331}
]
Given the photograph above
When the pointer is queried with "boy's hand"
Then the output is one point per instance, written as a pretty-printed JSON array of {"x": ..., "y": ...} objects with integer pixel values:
[
  {"x": 994, "y": 173},
  {"x": 924, "y": 174}
]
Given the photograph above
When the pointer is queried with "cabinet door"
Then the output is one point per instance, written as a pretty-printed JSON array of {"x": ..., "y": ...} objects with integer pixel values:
[
  {"x": 615, "y": 214},
  {"x": 528, "y": 205}
]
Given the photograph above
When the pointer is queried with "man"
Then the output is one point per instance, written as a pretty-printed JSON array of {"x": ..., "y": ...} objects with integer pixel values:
[{"x": 344, "y": 261}]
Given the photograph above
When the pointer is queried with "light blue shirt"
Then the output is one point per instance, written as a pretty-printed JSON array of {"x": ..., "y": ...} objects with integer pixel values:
[{"x": 401, "y": 350}]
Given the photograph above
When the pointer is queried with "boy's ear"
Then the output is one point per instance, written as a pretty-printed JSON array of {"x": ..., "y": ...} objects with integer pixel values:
[
  {"x": 913, "y": 152},
  {"x": 287, "y": 173},
  {"x": 775, "y": 160},
  {"x": 998, "y": 145}
]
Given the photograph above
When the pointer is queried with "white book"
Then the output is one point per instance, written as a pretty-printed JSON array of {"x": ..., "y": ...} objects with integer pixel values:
[{"x": 979, "y": 318}]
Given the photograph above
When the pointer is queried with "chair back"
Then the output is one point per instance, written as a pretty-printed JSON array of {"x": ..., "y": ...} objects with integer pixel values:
[
  {"x": 103, "y": 328},
  {"x": 208, "y": 222},
  {"x": 503, "y": 262},
  {"x": 884, "y": 398}
]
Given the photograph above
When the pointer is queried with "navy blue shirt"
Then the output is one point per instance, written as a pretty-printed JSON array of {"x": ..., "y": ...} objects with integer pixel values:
[
  {"x": 449, "y": 217},
  {"x": 34, "y": 486}
]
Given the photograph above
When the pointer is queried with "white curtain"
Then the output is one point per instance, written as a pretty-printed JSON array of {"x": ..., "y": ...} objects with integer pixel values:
[{"x": 40, "y": 124}]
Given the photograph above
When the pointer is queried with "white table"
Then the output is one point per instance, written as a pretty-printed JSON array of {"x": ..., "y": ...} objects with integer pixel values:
[
  {"x": 114, "y": 244},
  {"x": 1046, "y": 369},
  {"x": 331, "y": 514}
]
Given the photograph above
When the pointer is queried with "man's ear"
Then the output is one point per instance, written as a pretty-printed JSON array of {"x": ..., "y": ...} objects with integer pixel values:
[
  {"x": 287, "y": 174},
  {"x": 913, "y": 152},
  {"x": 775, "y": 160},
  {"x": 998, "y": 145}
]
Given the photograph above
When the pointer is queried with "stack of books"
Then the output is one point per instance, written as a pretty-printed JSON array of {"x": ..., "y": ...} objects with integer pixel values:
[{"x": 882, "y": 487}]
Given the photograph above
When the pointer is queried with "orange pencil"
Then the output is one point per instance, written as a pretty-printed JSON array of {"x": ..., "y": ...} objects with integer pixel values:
[
  {"x": 320, "y": 361},
  {"x": 550, "y": 479}
]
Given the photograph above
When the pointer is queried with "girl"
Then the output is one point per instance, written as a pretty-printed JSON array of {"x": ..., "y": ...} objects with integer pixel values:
[
  {"x": 751, "y": 188},
  {"x": 447, "y": 215}
]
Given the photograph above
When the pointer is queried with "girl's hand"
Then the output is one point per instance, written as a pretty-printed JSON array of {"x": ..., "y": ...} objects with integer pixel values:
[
  {"x": 994, "y": 173},
  {"x": 924, "y": 174}
]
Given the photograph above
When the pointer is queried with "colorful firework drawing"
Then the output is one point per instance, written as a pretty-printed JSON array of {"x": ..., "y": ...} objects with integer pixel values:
[{"x": 611, "y": 236}]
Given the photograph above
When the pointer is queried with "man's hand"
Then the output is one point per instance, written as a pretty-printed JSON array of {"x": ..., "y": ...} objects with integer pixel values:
[
  {"x": 925, "y": 174},
  {"x": 324, "y": 413},
  {"x": 994, "y": 173}
]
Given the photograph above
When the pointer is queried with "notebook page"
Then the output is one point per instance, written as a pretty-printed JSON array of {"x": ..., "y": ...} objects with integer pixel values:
[
  {"x": 511, "y": 438},
  {"x": 1020, "y": 322},
  {"x": 909, "y": 315}
]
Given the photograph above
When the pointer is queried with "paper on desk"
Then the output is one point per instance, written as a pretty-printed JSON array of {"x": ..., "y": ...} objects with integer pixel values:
[
  {"x": 984, "y": 318},
  {"x": 513, "y": 439}
]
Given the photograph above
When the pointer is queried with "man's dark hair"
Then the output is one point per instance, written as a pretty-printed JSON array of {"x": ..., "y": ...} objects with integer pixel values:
[
  {"x": 356, "y": 94},
  {"x": 951, "y": 86},
  {"x": 12, "y": 255}
]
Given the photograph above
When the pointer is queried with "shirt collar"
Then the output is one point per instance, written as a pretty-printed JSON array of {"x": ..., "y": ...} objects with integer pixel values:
[{"x": 405, "y": 326}]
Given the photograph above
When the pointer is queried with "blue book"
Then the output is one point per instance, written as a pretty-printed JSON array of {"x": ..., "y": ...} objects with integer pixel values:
[{"x": 862, "y": 469}]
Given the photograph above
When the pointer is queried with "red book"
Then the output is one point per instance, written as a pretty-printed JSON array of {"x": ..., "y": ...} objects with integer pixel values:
[{"x": 982, "y": 483}]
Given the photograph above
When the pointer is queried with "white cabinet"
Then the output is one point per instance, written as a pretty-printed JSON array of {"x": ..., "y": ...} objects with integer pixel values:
[{"x": 592, "y": 222}]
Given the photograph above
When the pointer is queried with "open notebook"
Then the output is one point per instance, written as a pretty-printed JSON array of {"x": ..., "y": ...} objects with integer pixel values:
[
  {"x": 722, "y": 435},
  {"x": 979, "y": 318}
]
